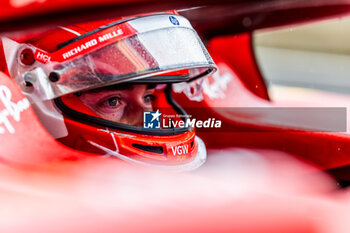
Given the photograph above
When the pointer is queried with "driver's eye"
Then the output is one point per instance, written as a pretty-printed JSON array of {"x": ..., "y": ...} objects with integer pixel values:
[
  {"x": 148, "y": 98},
  {"x": 113, "y": 101}
]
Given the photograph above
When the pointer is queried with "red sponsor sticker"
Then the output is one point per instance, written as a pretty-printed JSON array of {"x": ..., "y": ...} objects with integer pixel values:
[{"x": 42, "y": 56}]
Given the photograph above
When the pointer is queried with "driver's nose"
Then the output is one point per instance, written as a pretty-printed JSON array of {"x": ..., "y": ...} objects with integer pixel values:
[{"x": 136, "y": 106}]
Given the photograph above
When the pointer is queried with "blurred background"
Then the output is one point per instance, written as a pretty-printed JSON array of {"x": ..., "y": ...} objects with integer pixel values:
[{"x": 303, "y": 59}]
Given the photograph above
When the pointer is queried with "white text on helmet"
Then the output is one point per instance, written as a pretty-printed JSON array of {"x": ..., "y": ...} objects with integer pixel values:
[
  {"x": 179, "y": 150},
  {"x": 110, "y": 35},
  {"x": 42, "y": 57},
  {"x": 80, "y": 48}
]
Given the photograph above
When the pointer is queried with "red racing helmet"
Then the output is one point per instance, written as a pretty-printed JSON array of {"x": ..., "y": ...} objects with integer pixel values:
[{"x": 56, "y": 68}]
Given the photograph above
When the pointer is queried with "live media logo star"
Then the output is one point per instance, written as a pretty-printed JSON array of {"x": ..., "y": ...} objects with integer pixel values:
[{"x": 151, "y": 120}]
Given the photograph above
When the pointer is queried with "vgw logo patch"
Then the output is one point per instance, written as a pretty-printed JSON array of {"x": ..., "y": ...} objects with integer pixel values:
[{"x": 151, "y": 120}]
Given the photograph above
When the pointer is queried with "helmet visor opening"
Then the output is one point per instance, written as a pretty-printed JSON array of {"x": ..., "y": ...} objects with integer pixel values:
[{"x": 123, "y": 107}]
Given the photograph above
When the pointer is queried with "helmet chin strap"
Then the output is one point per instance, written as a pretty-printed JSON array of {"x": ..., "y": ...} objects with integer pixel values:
[{"x": 194, "y": 164}]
